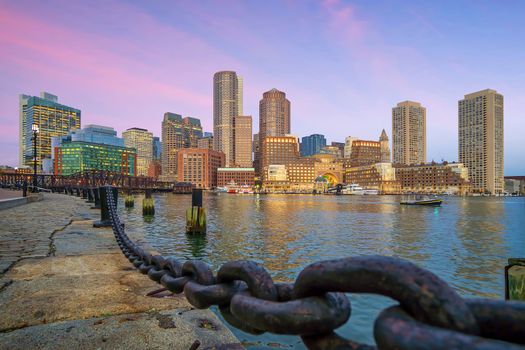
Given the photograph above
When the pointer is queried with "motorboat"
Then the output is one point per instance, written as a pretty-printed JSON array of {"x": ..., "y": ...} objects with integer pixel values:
[
  {"x": 354, "y": 189},
  {"x": 422, "y": 200},
  {"x": 370, "y": 191}
]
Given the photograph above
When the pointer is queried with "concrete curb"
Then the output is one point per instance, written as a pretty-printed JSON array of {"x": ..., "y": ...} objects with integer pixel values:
[{"x": 15, "y": 202}]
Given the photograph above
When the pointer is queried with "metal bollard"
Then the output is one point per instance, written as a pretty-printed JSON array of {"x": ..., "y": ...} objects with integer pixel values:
[
  {"x": 96, "y": 195},
  {"x": 24, "y": 189},
  {"x": 105, "y": 220}
]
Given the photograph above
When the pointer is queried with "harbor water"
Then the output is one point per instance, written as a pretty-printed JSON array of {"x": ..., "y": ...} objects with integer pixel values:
[{"x": 466, "y": 241}]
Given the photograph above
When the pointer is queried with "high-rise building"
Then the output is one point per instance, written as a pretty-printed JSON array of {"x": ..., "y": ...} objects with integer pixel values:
[
  {"x": 277, "y": 150},
  {"x": 256, "y": 154},
  {"x": 274, "y": 114},
  {"x": 409, "y": 133},
  {"x": 199, "y": 166},
  {"x": 157, "y": 148},
  {"x": 205, "y": 143},
  {"x": 22, "y": 108},
  {"x": 312, "y": 144},
  {"x": 78, "y": 156},
  {"x": 385, "y": 148},
  {"x": 243, "y": 141},
  {"x": 480, "y": 136},
  {"x": 177, "y": 133},
  {"x": 192, "y": 132},
  {"x": 142, "y": 141},
  {"x": 227, "y": 104},
  {"x": 348, "y": 145},
  {"x": 172, "y": 141},
  {"x": 53, "y": 120}
]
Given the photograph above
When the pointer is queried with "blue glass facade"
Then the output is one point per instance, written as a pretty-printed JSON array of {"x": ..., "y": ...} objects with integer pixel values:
[
  {"x": 98, "y": 134},
  {"x": 312, "y": 144},
  {"x": 157, "y": 148}
]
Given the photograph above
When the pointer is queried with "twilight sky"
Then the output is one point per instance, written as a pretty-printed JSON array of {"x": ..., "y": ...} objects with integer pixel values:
[{"x": 342, "y": 64}]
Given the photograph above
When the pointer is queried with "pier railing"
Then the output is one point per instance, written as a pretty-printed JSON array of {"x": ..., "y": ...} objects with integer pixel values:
[{"x": 429, "y": 314}]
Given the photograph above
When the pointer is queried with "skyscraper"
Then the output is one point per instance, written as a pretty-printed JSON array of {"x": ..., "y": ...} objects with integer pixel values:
[
  {"x": 227, "y": 104},
  {"x": 142, "y": 141},
  {"x": 177, "y": 133},
  {"x": 53, "y": 120},
  {"x": 157, "y": 148},
  {"x": 480, "y": 138},
  {"x": 409, "y": 133},
  {"x": 243, "y": 141},
  {"x": 312, "y": 144},
  {"x": 274, "y": 114}
]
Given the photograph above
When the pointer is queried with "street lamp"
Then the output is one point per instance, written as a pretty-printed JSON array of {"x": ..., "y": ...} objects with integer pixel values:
[{"x": 35, "y": 129}]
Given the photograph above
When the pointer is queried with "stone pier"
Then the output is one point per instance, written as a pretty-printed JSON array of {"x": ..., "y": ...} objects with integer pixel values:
[{"x": 65, "y": 284}]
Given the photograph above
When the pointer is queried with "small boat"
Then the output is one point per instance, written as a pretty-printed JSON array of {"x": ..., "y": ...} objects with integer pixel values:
[
  {"x": 220, "y": 189},
  {"x": 354, "y": 189},
  {"x": 423, "y": 201},
  {"x": 370, "y": 191}
]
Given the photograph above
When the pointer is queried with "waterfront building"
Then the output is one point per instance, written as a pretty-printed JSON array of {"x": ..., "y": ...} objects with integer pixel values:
[
  {"x": 78, "y": 156},
  {"x": 348, "y": 146},
  {"x": 365, "y": 152},
  {"x": 301, "y": 175},
  {"x": 142, "y": 141},
  {"x": 379, "y": 176},
  {"x": 177, "y": 133},
  {"x": 480, "y": 140},
  {"x": 243, "y": 141},
  {"x": 238, "y": 176},
  {"x": 227, "y": 104},
  {"x": 434, "y": 178},
  {"x": 53, "y": 120},
  {"x": 278, "y": 150},
  {"x": 329, "y": 167},
  {"x": 206, "y": 142},
  {"x": 312, "y": 144},
  {"x": 90, "y": 133},
  {"x": 409, "y": 133},
  {"x": 385, "y": 147},
  {"x": 157, "y": 148},
  {"x": 154, "y": 169},
  {"x": 199, "y": 166},
  {"x": 515, "y": 185}
]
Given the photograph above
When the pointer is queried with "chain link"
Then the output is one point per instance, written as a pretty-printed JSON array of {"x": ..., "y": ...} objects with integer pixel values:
[{"x": 430, "y": 314}]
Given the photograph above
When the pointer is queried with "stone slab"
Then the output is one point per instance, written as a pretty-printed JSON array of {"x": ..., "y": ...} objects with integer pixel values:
[{"x": 172, "y": 329}]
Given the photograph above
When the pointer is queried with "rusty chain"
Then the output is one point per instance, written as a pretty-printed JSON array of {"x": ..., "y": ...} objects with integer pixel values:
[{"x": 430, "y": 314}]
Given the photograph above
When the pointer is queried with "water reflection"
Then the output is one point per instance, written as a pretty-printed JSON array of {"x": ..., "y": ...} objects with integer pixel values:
[{"x": 466, "y": 241}]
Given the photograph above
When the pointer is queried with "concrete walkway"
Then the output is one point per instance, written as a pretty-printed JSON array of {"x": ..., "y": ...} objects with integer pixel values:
[{"x": 66, "y": 285}]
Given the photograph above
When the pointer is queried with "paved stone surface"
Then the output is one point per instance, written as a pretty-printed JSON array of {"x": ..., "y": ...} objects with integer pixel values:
[
  {"x": 175, "y": 329},
  {"x": 26, "y": 231},
  {"x": 67, "y": 285}
]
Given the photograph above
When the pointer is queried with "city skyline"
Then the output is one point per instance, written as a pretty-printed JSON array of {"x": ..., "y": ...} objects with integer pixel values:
[{"x": 112, "y": 89}]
